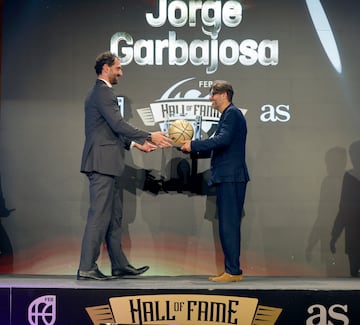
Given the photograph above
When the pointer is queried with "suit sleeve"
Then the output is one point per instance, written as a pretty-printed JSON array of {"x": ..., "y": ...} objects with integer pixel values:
[
  {"x": 222, "y": 137},
  {"x": 107, "y": 105}
]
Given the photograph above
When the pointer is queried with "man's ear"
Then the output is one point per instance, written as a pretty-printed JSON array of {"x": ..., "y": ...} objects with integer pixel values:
[{"x": 106, "y": 68}]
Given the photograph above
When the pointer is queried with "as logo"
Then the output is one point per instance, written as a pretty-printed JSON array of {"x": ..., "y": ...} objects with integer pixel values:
[
  {"x": 320, "y": 315},
  {"x": 280, "y": 113},
  {"x": 42, "y": 311}
]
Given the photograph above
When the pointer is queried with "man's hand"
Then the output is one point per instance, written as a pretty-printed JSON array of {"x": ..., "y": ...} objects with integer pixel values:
[
  {"x": 146, "y": 147},
  {"x": 161, "y": 140},
  {"x": 186, "y": 146}
]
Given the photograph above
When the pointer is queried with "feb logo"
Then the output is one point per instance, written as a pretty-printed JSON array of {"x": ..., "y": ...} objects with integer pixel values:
[
  {"x": 42, "y": 311},
  {"x": 183, "y": 102}
]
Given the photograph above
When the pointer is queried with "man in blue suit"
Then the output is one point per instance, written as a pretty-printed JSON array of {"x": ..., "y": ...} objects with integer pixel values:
[
  {"x": 229, "y": 174},
  {"x": 107, "y": 136}
]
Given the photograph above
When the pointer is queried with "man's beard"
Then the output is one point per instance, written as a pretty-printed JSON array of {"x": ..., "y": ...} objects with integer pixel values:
[{"x": 113, "y": 80}]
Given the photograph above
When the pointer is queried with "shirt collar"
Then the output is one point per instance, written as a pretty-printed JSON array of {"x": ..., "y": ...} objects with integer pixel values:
[{"x": 107, "y": 82}]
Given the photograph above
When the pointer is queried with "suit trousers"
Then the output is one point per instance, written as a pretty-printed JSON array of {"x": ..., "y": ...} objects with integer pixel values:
[
  {"x": 103, "y": 223},
  {"x": 230, "y": 199}
]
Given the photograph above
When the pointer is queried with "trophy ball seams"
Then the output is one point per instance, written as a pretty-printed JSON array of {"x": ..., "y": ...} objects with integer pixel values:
[{"x": 180, "y": 130}]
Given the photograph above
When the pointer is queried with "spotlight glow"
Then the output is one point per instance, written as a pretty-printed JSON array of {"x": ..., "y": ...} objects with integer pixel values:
[{"x": 324, "y": 32}]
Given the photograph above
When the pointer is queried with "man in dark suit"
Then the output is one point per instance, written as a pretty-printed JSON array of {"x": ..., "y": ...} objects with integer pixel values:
[
  {"x": 229, "y": 174},
  {"x": 107, "y": 136}
]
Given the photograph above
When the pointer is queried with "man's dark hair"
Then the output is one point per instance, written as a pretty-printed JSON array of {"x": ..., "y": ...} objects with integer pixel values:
[
  {"x": 222, "y": 86},
  {"x": 104, "y": 58}
]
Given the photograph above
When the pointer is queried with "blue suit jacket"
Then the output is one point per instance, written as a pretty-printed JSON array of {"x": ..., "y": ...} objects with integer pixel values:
[
  {"x": 107, "y": 133},
  {"x": 226, "y": 148}
]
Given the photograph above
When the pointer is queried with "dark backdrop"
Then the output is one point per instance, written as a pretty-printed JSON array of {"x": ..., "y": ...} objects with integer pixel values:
[{"x": 302, "y": 113}]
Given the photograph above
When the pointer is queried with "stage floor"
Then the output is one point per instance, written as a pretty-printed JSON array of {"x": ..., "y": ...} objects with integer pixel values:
[{"x": 181, "y": 282}]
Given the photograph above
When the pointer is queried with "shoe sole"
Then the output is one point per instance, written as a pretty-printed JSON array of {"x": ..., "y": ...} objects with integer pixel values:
[
  {"x": 84, "y": 278},
  {"x": 217, "y": 279},
  {"x": 226, "y": 281}
]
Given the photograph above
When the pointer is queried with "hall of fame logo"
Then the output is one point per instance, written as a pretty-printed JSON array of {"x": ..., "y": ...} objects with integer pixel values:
[
  {"x": 191, "y": 104},
  {"x": 183, "y": 309}
]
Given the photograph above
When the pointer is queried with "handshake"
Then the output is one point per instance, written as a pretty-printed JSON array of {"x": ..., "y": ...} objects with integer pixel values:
[
  {"x": 154, "y": 141},
  {"x": 180, "y": 134}
]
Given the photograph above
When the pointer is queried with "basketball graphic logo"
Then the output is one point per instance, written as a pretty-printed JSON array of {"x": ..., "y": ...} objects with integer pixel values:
[{"x": 180, "y": 130}]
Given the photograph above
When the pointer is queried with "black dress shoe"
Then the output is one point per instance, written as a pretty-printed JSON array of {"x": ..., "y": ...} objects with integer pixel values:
[
  {"x": 91, "y": 275},
  {"x": 129, "y": 270}
]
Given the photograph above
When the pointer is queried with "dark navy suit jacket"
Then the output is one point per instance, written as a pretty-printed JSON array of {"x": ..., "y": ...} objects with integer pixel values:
[
  {"x": 226, "y": 148},
  {"x": 107, "y": 133}
]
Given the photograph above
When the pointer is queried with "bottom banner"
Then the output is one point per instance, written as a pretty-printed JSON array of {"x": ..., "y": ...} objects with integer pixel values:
[
  {"x": 4, "y": 306},
  {"x": 181, "y": 307}
]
